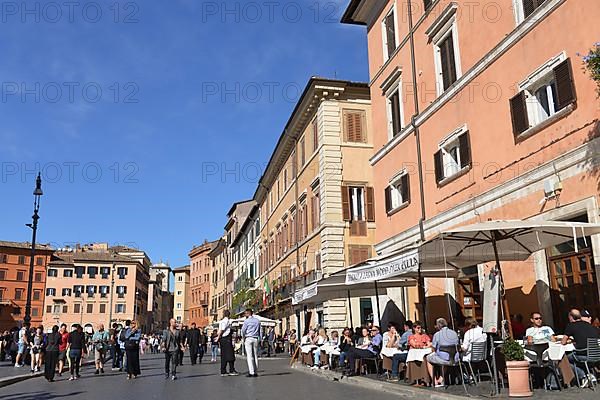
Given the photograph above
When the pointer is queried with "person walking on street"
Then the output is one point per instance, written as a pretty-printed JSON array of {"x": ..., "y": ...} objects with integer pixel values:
[
  {"x": 100, "y": 342},
  {"x": 184, "y": 333},
  {"x": 171, "y": 344},
  {"x": 202, "y": 348},
  {"x": 192, "y": 341},
  {"x": 132, "y": 349},
  {"x": 214, "y": 346},
  {"x": 53, "y": 340},
  {"x": 23, "y": 343},
  {"x": 75, "y": 350},
  {"x": 225, "y": 341},
  {"x": 62, "y": 348},
  {"x": 251, "y": 333},
  {"x": 36, "y": 349},
  {"x": 271, "y": 342},
  {"x": 115, "y": 348}
]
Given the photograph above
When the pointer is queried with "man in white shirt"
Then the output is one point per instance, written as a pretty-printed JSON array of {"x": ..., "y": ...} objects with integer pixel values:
[
  {"x": 475, "y": 334},
  {"x": 225, "y": 341},
  {"x": 538, "y": 332}
]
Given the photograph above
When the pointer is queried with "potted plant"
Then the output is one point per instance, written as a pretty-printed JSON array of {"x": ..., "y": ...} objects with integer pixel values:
[
  {"x": 517, "y": 369},
  {"x": 591, "y": 63}
]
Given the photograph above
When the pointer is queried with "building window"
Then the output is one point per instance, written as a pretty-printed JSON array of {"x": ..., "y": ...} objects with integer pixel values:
[
  {"x": 355, "y": 126},
  {"x": 358, "y": 208},
  {"x": 3, "y": 258},
  {"x": 444, "y": 36},
  {"x": 50, "y": 292},
  {"x": 56, "y": 308},
  {"x": 2, "y": 274},
  {"x": 358, "y": 254},
  {"x": 76, "y": 308},
  {"x": 39, "y": 261},
  {"x": 78, "y": 290},
  {"x": 20, "y": 276},
  {"x": 92, "y": 272},
  {"x": 179, "y": 292},
  {"x": 48, "y": 309},
  {"x": 390, "y": 34},
  {"x": 65, "y": 309},
  {"x": 120, "y": 308},
  {"x": 21, "y": 260},
  {"x": 122, "y": 272},
  {"x": 79, "y": 271},
  {"x": 397, "y": 194},
  {"x": 524, "y": 8},
  {"x": 121, "y": 291},
  {"x": 543, "y": 94},
  {"x": 68, "y": 273},
  {"x": 102, "y": 308},
  {"x": 67, "y": 292},
  {"x": 90, "y": 308},
  {"x": 453, "y": 156},
  {"x": 105, "y": 272},
  {"x": 179, "y": 306},
  {"x": 180, "y": 279},
  {"x": 52, "y": 273},
  {"x": 91, "y": 290},
  {"x": 37, "y": 277},
  {"x": 35, "y": 312},
  {"x": 37, "y": 295},
  {"x": 104, "y": 290},
  {"x": 395, "y": 112}
]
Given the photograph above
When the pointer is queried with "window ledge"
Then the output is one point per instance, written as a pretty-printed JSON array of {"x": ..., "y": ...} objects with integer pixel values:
[
  {"x": 358, "y": 145},
  {"x": 397, "y": 209},
  {"x": 546, "y": 123},
  {"x": 455, "y": 176}
]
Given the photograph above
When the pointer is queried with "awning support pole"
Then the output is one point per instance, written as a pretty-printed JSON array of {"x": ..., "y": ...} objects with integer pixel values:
[
  {"x": 350, "y": 310},
  {"x": 378, "y": 309},
  {"x": 422, "y": 297}
]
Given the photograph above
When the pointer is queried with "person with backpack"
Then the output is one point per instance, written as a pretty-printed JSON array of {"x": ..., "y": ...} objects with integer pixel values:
[{"x": 100, "y": 342}]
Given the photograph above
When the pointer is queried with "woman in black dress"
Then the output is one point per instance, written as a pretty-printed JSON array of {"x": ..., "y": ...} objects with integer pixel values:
[
  {"x": 52, "y": 343},
  {"x": 132, "y": 348}
]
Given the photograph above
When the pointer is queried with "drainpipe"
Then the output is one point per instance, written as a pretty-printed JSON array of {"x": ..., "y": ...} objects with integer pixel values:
[{"x": 411, "y": 33}]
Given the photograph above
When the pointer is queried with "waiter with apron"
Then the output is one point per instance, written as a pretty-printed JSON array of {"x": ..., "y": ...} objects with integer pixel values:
[{"x": 224, "y": 337}]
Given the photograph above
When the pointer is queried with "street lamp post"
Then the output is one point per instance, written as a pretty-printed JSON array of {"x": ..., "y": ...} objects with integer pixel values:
[
  {"x": 37, "y": 193},
  {"x": 112, "y": 291}
]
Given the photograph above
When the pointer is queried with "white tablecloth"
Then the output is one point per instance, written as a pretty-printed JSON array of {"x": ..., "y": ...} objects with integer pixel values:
[
  {"x": 417, "y": 354},
  {"x": 390, "y": 352},
  {"x": 554, "y": 352}
]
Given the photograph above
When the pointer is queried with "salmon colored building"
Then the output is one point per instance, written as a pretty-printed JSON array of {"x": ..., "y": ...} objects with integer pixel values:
[
  {"x": 482, "y": 110},
  {"x": 14, "y": 275},
  {"x": 96, "y": 284},
  {"x": 200, "y": 275}
]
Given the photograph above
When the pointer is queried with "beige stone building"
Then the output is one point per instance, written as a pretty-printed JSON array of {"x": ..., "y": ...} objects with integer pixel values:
[
  {"x": 181, "y": 295},
  {"x": 94, "y": 284},
  {"x": 316, "y": 202}
]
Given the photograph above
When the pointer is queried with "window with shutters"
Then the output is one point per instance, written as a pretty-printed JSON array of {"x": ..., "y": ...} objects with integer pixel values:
[
  {"x": 315, "y": 211},
  {"x": 447, "y": 56},
  {"x": 453, "y": 156},
  {"x": 397, "y": 194},
  {"x": 543, "y": 95},
  {"x": 395, "y": 112},
  {"x": 390, "y": 34},
  {"x": 524, "y": 8},
  {"x": 355, "y": 126},
  {"x": 358, "y": 254},
  {"x": 358, "y": 208},
  {"x": 302, "y": 146}
]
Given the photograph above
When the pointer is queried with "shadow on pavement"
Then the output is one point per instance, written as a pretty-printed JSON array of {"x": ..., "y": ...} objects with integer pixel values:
[{"x": 37, "y": 396}]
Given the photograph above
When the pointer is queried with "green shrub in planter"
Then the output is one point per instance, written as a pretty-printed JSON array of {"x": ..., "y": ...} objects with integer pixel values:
[{"x": 512, "y": 350}]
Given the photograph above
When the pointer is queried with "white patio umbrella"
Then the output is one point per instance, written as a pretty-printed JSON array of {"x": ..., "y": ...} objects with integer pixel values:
[{"x": 512, "y": 240}]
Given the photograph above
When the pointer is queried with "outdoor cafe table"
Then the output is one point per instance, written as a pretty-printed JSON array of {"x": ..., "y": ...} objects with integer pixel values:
[
  {"x": 416, "y": 367},
  {"x": 554, "y": 352}
]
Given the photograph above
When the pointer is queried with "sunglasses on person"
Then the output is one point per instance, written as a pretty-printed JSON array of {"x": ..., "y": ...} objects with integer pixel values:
[{"x": 537, "y": 318}]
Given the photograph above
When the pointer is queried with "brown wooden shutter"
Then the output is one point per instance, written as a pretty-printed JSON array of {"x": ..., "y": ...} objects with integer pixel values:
[
  {"x": 305, "y": 214},
  {"x": 349, "y": 127},
  {"x": 354, "y": 126},
  {"x": 439, "y": 166},
  {"x": 346, "y": 203},
  {"x": 565, "y": 86},
  {"x": 370, "y": 201},
  {"x": 360, "y": 127},
  {"x": 518, "y": 112},
  {"x": 464, "y": 147},
  {"x": 388, "y": 199},
  {"x": 448, "y": 62},
  {"x": 313, "y": 209},
  {"x": 405, "y": 187}
]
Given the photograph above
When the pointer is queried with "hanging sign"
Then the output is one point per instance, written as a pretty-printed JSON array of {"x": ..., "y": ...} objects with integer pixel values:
[
  {"x": 304, "y": 294},
  {"x": 491, "y": 297},
  {"x": 400, "y": 265}
]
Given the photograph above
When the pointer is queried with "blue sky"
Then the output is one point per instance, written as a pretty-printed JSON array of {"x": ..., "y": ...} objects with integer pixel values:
[{"x": 124, "y": 111}]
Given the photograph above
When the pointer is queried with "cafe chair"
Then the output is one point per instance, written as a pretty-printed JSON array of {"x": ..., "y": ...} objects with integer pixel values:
[
  {"x": 479, "y": 358},
  {"x": 592, "y": 357},
  {"x": 454, "y": 365}
]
